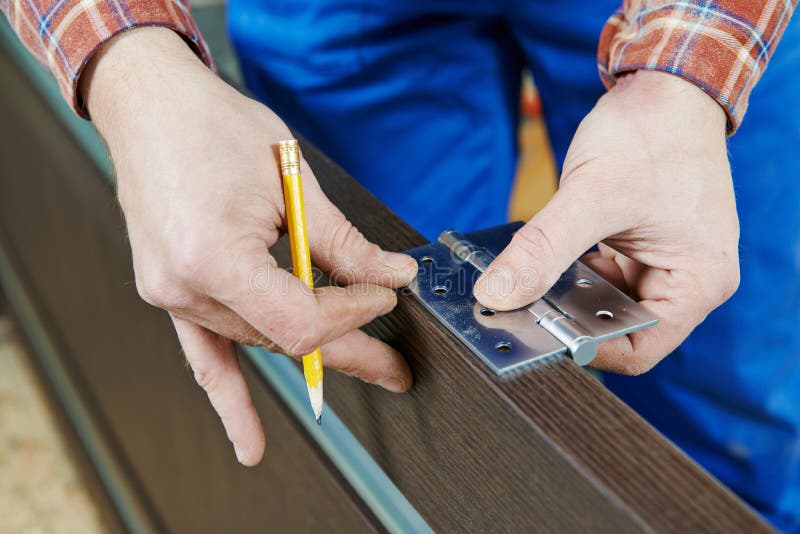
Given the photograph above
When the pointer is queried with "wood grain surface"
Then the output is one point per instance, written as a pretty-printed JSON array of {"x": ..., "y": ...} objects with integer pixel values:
[{"x": 547, "y": 450}]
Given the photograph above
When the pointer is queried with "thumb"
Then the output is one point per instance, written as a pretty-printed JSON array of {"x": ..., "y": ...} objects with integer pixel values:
[
  {"x": 339, "y": 249},
  {"x": 541, "y": 251}
]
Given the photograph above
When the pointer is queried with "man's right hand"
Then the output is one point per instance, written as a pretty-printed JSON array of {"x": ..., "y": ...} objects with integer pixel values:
[{"x": 199, "y": 183}]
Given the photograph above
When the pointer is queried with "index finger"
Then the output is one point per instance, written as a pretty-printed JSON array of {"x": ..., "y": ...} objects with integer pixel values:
[{"x": 299, "y": 319}]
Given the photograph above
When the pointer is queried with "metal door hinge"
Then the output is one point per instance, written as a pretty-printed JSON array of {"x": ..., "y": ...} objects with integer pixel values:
[{"x": 578, "y": 312}]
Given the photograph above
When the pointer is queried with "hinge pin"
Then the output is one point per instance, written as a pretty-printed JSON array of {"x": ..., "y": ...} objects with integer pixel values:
[{"x": 580, "y": 344}]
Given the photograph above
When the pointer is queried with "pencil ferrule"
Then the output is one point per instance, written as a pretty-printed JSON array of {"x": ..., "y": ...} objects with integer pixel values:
[{"x": 289, "y": 152}]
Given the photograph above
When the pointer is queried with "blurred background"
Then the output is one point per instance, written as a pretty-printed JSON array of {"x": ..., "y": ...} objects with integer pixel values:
[{"x": 41, "y": 488}]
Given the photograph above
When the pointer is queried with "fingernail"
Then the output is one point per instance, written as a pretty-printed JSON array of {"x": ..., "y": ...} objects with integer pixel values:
[
  {"x": 496, "y": 283},
  {"x": 395, "y": 260},
  {"x": 239, "y": 454},
  {"x": 392, "y": 384}
]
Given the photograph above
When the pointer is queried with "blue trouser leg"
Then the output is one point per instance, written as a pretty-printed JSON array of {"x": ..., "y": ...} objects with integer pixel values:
[
  {"x": 559, "y": 41},
  {"x": 390, "y": 91},
  {"x": 418, "y": 101}
]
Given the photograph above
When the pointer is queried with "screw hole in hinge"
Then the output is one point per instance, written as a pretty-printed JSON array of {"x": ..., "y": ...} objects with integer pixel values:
[
  {"x": 487, "y": 312},
  {"x": 604, "y": 314},
  {"x": 584, "y": 282},
  {"x": 440, "y": 290},
  {"x": 503, "y": 346}
]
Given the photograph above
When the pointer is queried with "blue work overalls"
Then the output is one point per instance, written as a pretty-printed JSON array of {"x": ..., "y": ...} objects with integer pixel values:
[{"x": 419, "y": 101}]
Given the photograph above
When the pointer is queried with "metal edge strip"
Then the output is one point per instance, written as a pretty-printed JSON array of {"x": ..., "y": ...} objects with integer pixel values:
[{"x": 354, "y": 463}]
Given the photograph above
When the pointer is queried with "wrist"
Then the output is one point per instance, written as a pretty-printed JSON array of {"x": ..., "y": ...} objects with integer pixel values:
[
  {"x": 650, "y": 91},
  {"x": 134, "y": 70}
]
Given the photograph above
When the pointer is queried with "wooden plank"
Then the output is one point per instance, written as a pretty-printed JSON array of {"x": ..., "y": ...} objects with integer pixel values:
[
  {"x": 60, "y": 224},
  {"x": 549, "y": 449}
]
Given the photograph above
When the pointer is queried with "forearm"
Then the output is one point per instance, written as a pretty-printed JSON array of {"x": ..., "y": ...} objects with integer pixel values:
[
  {"x": 66, "y": 35},
  {"x": 721, "y": 51},
  {"x": 147, "y": 92}
]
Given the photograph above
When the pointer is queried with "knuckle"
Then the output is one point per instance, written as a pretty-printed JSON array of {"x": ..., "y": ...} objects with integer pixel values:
[
  {"x": 351, "y": 368},
  {"x": 300, "y": 346},
  {"x": 533, "y": 241},
  {"x": 635, "y": 366},
  {"x": 301, "y": 340},
  {"x": 248, "y": 335},
  {"x": 343, "y": 232},
  {"x": 717, "y": 283},
  {"x": 163, "y": 291},
  {"x": 208, "y": 379},
  {"x": 730, "y": 279},
  {"x": 156, "y": 290},
  {"x": 147, "y": 291},
  {"x": 348, "y": 236},
  {"x": 343, "y": 238},
  {"x": 190, "y": 264}
]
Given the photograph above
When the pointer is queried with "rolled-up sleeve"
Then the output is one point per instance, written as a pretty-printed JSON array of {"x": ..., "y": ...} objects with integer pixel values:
[
  {"x": 64, "y": 34},
  {"x": 721, "y": 46}
]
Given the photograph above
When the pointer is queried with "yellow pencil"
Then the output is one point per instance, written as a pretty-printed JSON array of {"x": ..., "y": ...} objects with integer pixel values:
[{"x": 301, "y": 257}]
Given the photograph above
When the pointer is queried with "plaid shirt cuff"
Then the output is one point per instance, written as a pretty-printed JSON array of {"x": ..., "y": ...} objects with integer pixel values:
[
  {"x": 64, "y": 34},
  {"x": 721, "y": 47}
]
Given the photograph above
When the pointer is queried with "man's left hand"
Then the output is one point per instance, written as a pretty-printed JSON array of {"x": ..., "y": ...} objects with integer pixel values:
[{"x": 647, "y": 175}]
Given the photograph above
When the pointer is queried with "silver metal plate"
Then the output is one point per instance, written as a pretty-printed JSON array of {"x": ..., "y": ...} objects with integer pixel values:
[
  {"x": 591, "y": 300},
  {"x": 507, "y": 341}
]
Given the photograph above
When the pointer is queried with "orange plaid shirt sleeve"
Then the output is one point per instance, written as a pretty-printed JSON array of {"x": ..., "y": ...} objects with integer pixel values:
[
  {"x": 721, "y": 46},
  {"x": 64, "y": 34}
]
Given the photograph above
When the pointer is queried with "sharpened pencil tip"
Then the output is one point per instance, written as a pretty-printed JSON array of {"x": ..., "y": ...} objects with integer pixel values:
[{"x": 315, "y": 396}]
